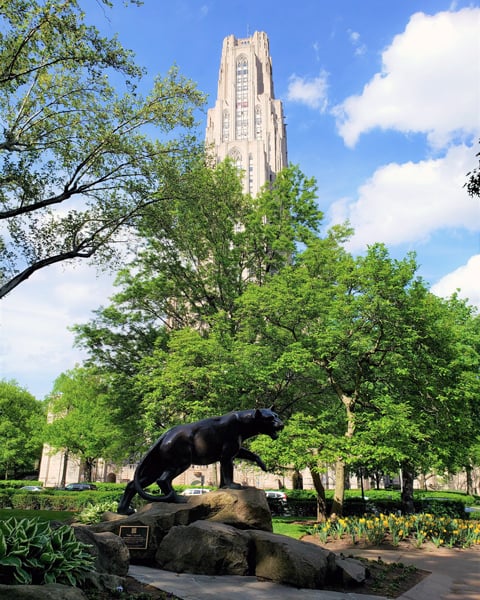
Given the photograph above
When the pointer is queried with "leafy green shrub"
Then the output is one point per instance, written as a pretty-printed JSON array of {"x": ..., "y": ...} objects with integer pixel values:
[
  {"x": 73, "y": 501},
  {"x": 441, "y": 507},
  {"x": 6, "y": 498},
  {"x": 93, "y": 512},
  {"x": 32, "y": 552},
  {"x": 301, "y": 508},
  {"x": 25, "y": 500},
  {"x": 17, "y": 483}
]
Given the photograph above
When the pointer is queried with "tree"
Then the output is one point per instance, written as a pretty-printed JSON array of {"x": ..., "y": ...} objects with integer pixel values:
[
  {"x": 76, "y": 165},
  {"x": 386, "y": 348},
  {"x": 82, "y": 418},
  {"x": 473, "y": 181},
  {"x": 21, "y": 426},
  {"x": 200, "y": 253},
  {"x": 211, "y": 241}
]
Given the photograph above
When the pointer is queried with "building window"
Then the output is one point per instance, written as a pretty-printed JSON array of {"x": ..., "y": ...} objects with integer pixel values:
[
  {"x": 236, "y": 157},
  {"x": 258, "y": 122},
  {"x": 250, "y": 173},
  {"x": 226, "y": 126},
  {"x": 241, "y": 99}
]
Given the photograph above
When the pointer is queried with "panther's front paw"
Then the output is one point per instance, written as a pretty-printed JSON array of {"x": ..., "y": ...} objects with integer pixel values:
[
  {"x": 125, "y": 511},
  {"x": 233, "y": 486}
]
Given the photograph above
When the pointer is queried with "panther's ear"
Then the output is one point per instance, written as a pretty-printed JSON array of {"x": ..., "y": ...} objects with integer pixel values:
[
  {"x": 258, "y": 414},
  {"x": 272, "y": 408}
]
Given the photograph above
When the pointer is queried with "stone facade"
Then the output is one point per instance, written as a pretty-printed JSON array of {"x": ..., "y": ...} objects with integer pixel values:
[{"x": 247, "y": 123}]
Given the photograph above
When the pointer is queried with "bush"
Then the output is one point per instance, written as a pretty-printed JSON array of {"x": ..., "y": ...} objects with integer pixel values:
[
  {"x": 441, "y": 507},
  {"x": 6, "y": 498},
  {"x": 302, "y": 508},
  {"x": 32, "y": 552},
  {"x": 26, "y": 500},
  {"x": 93, "y": 512},
  {"x": 17, "y": 483}
]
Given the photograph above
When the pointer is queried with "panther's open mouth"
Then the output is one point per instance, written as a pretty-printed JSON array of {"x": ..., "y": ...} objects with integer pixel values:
[{"x": 276, "y": 431}]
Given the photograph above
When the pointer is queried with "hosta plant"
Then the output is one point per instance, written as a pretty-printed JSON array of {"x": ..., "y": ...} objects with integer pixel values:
[{"x": 32, "y": 552}]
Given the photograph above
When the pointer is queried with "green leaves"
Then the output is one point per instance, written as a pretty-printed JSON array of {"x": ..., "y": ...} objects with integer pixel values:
[
  {"x": 33, "y": 553},
  {"x": 84, "y": 414},
  {"x": 69, "y": 135},
  {"x": 21, "y": 426}
]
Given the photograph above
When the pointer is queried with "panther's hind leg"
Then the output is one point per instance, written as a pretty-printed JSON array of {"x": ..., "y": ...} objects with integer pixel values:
[
  {"x": 164, "y": 482},
  {"x": 124, "y": 507}
]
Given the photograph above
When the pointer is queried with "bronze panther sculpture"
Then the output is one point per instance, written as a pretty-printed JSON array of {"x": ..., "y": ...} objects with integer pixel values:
[{"x": 201, "y": 443}]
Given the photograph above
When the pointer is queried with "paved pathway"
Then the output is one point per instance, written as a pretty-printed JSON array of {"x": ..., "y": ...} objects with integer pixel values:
[{"x": 455, "y": 575}]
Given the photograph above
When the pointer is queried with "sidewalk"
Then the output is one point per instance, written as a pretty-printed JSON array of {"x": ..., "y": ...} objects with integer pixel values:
[
  {"x": 455, "y": 572},
  {"x": 455, "y": 575}
]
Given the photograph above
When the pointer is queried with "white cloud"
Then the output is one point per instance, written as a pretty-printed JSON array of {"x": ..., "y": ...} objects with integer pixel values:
[
  {"x": 407, "y": 202},
  {"x": 354, "y": 37},
  {"x": 428, "y": 83},
  {"x": 465, "y": 279},
  {"x": 312, "y": 92},
  {"x": 36, "y": 343}
]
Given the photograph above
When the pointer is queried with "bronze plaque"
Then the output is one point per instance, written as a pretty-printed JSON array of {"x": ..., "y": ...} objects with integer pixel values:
[{"x": 135, "y": 537}]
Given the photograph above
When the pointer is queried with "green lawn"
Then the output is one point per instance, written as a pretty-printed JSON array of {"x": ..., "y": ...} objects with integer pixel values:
[
  {"x": 41, "y": 515},
  {"x": 294, "y": 527}
]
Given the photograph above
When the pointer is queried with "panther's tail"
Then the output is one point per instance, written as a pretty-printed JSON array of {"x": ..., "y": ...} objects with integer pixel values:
[
  {"x": 150, "y": 497},
  {"x": 150, "y": 456}
]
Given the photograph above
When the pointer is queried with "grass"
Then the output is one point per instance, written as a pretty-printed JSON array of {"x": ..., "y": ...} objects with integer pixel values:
[
  {"x": 291, "y": 526},
  {"x": 41, "y": 515}
]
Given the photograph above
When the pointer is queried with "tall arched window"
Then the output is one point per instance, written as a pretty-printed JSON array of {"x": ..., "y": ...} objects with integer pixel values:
[
  {"x": 236, "y": 156},
  {"x": 258, "y": 122},
  {"x": 226, "y": 126},
  {"x": 241, "y": 99},
  {"x": 250, "y": 173}
]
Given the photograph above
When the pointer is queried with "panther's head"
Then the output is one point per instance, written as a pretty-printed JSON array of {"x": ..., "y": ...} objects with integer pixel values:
[{"x": 268, "y": 422}]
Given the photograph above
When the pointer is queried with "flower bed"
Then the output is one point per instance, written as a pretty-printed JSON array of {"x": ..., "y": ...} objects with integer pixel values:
[{"x": 419, "y": 528}]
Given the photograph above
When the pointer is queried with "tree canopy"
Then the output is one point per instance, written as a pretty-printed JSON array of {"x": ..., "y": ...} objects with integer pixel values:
[
  {"x": 22, "y": 420},
  {"x": 368, "y": 368},
  {"x": 78, "y": 164},
  {"x": 81, "y": 418}
]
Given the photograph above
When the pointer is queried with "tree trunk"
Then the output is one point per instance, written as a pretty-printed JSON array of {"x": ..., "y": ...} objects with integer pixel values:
[
  {"x": 321, "y": 500},
  {"x": 63, "y": 480},
  {"x": 408, "y": 476},
  {"x": 338, "y": 495},
  {"x": 468, "y": 471},
  {"x": 340, "y": 470},
  {"x": 88, "y": 469}
]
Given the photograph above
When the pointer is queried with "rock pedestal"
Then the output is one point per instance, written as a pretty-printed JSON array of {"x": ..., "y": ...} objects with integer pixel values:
[{"x": 229, "y": 532}]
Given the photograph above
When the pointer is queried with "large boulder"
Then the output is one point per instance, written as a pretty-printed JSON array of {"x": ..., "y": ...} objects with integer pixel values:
[
  {"x": 110, "y": 551},
  {"x": 285, "y": 560},
  {"x": 210, "y": 548},
  {"x": 112, "y": 559},
  {"x": 207, "y": 548},
  {"x": 52, "y": 591},
  {"x": 242, "y": 509}
]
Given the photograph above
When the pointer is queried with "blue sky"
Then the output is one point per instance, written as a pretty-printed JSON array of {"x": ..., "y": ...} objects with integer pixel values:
[{"x": 382, "y": 105}]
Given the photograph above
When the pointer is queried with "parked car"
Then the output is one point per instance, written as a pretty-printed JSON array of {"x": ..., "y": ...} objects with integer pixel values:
[
  {"x": 194, "y": 492},
  {"x": 80, "y": 487},
  {"x": 277, "y": 502},
  {"x": 32, "y": 488},
  {"x": 277, "y": 495}
]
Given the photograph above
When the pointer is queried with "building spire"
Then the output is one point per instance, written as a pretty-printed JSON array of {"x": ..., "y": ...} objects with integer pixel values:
[{"x": 247, "y": 123}]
